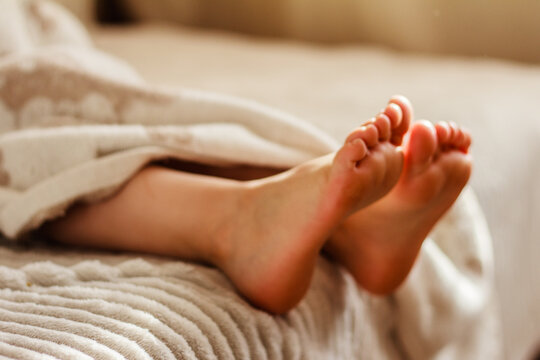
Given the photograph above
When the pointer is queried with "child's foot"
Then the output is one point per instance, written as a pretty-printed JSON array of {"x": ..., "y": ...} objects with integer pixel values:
[
  {"x": 270, "y": 245},
  {"x": 379, "y": 244}
]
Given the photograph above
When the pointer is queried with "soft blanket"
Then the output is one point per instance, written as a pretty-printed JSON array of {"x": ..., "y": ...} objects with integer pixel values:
[{"x": 77, "y": 124}]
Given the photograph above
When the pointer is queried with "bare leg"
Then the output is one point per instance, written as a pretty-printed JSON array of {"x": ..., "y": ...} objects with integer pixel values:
[
  {"x": 160, "y": 211},
  {"x": 264, "y": 234},
  {"x": 379, "y": 244}
]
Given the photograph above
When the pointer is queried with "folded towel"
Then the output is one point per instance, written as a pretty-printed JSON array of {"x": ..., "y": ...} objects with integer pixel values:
[{"x": 76, "y": 124}]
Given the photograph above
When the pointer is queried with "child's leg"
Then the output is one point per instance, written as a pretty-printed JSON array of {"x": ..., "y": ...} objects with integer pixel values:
[
  {"x": 160, "y": 211},
  {"x": 264, "y": 234}
]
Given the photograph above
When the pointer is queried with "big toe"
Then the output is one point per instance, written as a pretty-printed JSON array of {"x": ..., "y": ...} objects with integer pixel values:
[{"x": 420, "y": 147}]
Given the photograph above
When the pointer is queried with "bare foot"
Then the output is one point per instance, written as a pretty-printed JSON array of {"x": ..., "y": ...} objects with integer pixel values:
[
  {"x": 379, "y": 244},
  {"x": 269, "y": 252}
]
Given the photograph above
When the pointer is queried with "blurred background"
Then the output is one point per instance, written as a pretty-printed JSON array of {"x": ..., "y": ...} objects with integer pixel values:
[
  {"x": 476, "y": 62},
  {"x": 497, "y": 28}
]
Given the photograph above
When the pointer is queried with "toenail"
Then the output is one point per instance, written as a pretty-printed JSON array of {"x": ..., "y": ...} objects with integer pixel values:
[{"x": 395, "y": 106}]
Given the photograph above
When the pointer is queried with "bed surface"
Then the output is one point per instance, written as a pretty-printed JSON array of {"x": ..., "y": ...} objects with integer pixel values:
[
  {"x": 337, "y": 87},
  {"x": 112, "y": 306}
]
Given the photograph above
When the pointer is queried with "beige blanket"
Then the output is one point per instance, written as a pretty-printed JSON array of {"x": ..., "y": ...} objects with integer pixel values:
[{"x": 76, "y": 124}]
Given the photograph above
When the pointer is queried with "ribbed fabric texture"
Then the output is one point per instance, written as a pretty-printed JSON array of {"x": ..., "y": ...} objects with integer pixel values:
[{"x": 163, "y": 309}]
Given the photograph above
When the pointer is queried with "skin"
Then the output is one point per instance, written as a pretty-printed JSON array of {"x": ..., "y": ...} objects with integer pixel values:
[
  {"x": 437, "y": 167},
  {"x": 265, "y": 234}
]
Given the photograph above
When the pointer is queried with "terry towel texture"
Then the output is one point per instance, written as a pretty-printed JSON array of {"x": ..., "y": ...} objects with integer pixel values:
[{"x": 76, "y": 124}]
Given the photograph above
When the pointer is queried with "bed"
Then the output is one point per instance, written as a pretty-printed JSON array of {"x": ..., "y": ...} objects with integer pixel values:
[{"x": 334, "y": 88}]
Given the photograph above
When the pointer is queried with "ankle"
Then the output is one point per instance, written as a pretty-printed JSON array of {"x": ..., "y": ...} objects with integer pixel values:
[{"x": 236, "y": 205}]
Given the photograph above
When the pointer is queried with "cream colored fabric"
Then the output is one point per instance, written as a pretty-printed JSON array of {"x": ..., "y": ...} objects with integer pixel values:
[
  {"x": 78, "y": 123},
  {"x": 89, "y": 305},
  {"x": 500, "y": 28}
]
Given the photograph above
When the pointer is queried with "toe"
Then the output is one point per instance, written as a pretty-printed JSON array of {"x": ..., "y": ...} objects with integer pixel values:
[
  {"x": 407, "y": 111},
  {"x": 351, "y": 153},
  {"x": 462, "y": 140},
  {"x": 370, "y": 135},
  {"x": 420, "y": 147},
  {"x": 454, "y": 133},
  {"x": 394, "y": 113},
  {"x": 367, "y": 133},
  {"x": 466, "y": 142},
  {"x": 443, "y": 132},
  {"x": 459, "y": 139},
  {"x": 382, "y": 123},
  {"x": 451, "y": 136}
]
